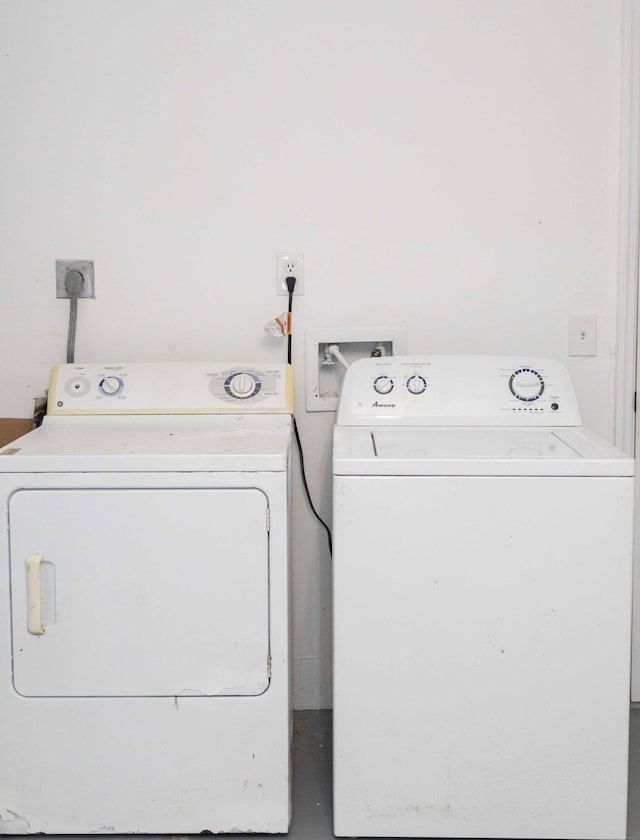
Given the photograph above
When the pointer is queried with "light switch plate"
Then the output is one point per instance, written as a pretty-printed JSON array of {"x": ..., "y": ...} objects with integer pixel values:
[{"x": 582, "y": 334}]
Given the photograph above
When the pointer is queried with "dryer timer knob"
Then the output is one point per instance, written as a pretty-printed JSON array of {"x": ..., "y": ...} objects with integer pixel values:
[{"x": 243, "y": 385}]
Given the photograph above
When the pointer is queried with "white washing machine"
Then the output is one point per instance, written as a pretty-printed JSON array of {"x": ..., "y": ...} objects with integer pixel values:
[
  {"x": 482, "y": 604},
  {"x": 144, "y": 604}
]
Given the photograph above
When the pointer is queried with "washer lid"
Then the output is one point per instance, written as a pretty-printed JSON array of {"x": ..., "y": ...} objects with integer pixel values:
[
  {"x": 476, "y": 451},
  {"x": 472, "y": 443}
]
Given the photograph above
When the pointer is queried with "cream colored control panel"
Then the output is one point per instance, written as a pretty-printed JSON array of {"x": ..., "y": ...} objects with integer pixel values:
[{"x": 171, "y": 388}]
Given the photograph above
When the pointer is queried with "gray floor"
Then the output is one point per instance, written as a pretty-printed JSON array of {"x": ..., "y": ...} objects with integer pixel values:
[
  {"x": 633, "y": 822},
  {"x": 312, "y": 794},
  {"x": 312, "y": 781}
]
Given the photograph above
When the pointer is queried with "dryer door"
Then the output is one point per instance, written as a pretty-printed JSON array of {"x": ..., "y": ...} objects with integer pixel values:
[{"x": 139, "y": 592}]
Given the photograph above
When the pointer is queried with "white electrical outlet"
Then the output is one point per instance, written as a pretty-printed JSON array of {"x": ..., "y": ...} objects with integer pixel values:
[{"x": 289, "y": 264}]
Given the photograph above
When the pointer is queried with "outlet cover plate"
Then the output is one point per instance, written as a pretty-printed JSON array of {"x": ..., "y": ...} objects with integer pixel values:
[
  {"x": 290, "y": 263},
  {"x": 85, "y": 267}
]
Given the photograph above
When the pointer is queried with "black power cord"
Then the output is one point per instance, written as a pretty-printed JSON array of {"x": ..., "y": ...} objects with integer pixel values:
[{"x": 291, "y": 284}]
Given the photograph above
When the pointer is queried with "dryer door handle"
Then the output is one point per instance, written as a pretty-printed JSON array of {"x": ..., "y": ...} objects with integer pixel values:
[{"x": 34, "y": 594}]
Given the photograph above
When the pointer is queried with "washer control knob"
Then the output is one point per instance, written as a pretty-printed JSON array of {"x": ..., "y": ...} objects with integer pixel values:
[
  {"x": 526, "y": 384},
  {"x": 242, "y": 385},
  {"x": 383, "y": 384},
  {"x": 416, "y": 384},
  {"x": 111, "y": 385}
]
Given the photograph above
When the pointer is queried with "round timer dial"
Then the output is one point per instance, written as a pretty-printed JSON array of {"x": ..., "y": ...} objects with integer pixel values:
[
  {"x": 383, "y": 384},
  {"x": 526, "y": 384},
  {"x": 416, "y": 384},
  {"x": 242, "y": 385},
  {"x": 111, "y": 385}
]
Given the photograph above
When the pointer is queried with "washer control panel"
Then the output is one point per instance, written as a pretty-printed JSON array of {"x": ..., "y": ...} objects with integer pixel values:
[
  {"x": 171, "y": 388},
  {"x": 458, "y": 391}
]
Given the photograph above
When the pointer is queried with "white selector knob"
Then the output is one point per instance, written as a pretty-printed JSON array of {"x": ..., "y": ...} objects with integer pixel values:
[
  {"x": 383, "y": 384},
  {"x": 243, "y": 385},
  {"x": 110, "y": 385},
  {"x": 416, "y": 384}
]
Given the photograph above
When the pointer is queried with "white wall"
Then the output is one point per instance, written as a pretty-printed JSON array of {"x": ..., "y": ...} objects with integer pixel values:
[{"x": 448, "y": 166}]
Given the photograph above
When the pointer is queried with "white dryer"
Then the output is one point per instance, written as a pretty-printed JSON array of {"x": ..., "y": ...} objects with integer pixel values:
[
  {"x": 144, "y": 604},
  {"x": 482, "y": 604}
]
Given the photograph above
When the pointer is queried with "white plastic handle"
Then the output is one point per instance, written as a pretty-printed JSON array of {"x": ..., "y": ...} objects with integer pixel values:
[{"x": 34, "y": 595}]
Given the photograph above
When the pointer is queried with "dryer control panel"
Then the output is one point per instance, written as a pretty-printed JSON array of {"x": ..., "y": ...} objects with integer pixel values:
[
  {"x": 171, "y": 388},
  {"x": 458, "y": 391}
]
